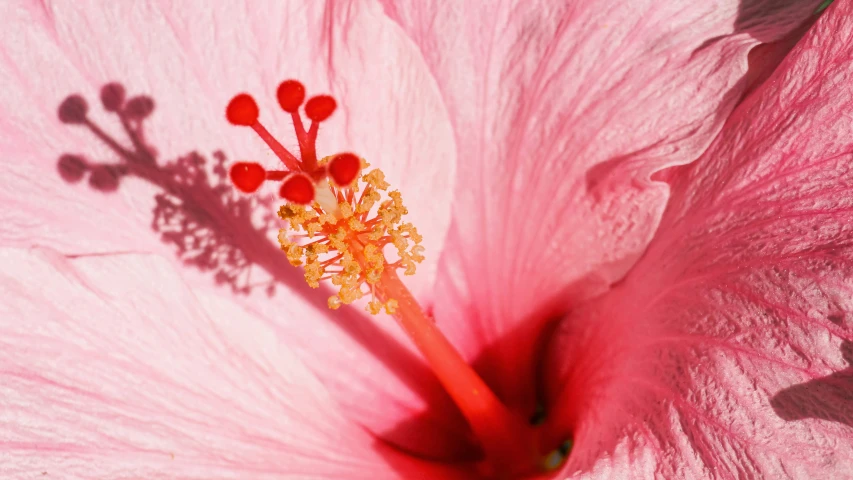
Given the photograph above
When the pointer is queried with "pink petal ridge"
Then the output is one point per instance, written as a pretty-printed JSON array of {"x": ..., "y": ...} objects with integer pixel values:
[
  {"x": 727, "y": 351},
  {"x": 120, "y": 373},
  {"x": 562, "y": 111}
]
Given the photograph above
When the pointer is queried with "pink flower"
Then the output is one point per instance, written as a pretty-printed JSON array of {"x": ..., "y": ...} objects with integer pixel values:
[{"x": 524, "y": 138}]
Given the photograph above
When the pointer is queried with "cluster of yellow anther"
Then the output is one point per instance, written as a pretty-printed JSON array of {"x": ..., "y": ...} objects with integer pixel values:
[{"x": 339, "y": 240}]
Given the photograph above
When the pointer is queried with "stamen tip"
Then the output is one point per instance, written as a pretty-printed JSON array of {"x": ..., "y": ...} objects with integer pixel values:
[
  {"x": 247, "y": 176},
  {"x": 344, "y": 169},
  {"x": 242, "y": 110},
  {"x": 320, "y": 108},
  {"x": 297, "y": 188},
  {"x": 291, "y": 94}
]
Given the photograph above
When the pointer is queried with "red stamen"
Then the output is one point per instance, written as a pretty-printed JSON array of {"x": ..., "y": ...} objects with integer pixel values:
[
  {"x": 306, "y": 143},
  {"x": 312, "y": 132},
  {"x": 277, "y": 175},
  {"x": 247, "y": 176},
  {"x": 286, "y": 157},
  {"x": 290, "y": 95},
  {"x": 297, "y": 188},
  {"x": 344, "y": 168},
  {"x": 242, "y": 110},
  {"x": 320, "y": 108}
]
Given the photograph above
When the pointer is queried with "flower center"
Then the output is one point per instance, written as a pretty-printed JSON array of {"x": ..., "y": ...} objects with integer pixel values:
[
  {"x": 345, "y": 227},
  {"x": 338, "y": 239}
]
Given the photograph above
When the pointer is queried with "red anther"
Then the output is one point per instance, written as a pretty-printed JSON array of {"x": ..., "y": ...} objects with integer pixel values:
[
  {"x": 320, "y": 107},
  {"x": 247, "y": 177},
  {"x": 297, "y": 188},
  {"x": 343, "y": 168},
  {"x": 290, "y": 94},
  {"x": 242, "y": 110}
]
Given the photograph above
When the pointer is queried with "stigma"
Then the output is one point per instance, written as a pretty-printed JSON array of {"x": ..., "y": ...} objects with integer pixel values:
[{"x": 343, "y": 224}]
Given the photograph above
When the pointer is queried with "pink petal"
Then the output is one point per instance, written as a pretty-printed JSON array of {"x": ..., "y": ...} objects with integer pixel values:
[
  {"x": 190, "y": 58},
  {"x": 727, "y": 350},
  {"x": 562, "y": 110},
  {"x": 112, "y": 369}
]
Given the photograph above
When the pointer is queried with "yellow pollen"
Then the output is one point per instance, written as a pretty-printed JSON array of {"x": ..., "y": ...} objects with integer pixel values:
[{"x": 346, "y": 246}]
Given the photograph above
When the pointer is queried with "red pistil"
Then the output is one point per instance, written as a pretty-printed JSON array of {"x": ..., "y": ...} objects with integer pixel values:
[
  {"x": 344, "y": 168},
  {"x": 277, "y": 175},
  {"x": 242, "y": 110},
  {"x": 290, "y": 95},
  {"x": 286, "y": 157},
  {"x": 297, "y": 188},
  {"x": 320, "y": 108},
  {"x": 247, "y": 177}
]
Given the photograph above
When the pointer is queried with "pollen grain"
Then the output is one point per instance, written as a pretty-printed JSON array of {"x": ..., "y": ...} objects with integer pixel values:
[{"x": 342, "y": 237}]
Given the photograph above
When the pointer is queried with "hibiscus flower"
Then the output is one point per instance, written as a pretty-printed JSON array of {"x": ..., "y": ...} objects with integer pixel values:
[{"x": 524, "y": 139}]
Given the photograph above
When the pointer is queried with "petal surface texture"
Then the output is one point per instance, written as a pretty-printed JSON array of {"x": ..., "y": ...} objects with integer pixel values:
[
  {"x": 156, "y": 179},
  {"x": 562, "y": 111},
  {"x": 120, "y": 373},
  {"x": 727, "y": 352}
]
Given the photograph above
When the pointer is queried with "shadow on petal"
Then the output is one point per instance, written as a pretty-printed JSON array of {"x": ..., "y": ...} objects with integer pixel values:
[
  {"x": 825, "y": 398},
  {"x": 765, "y": 19},
  {"x": 211, "y": 228}
]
